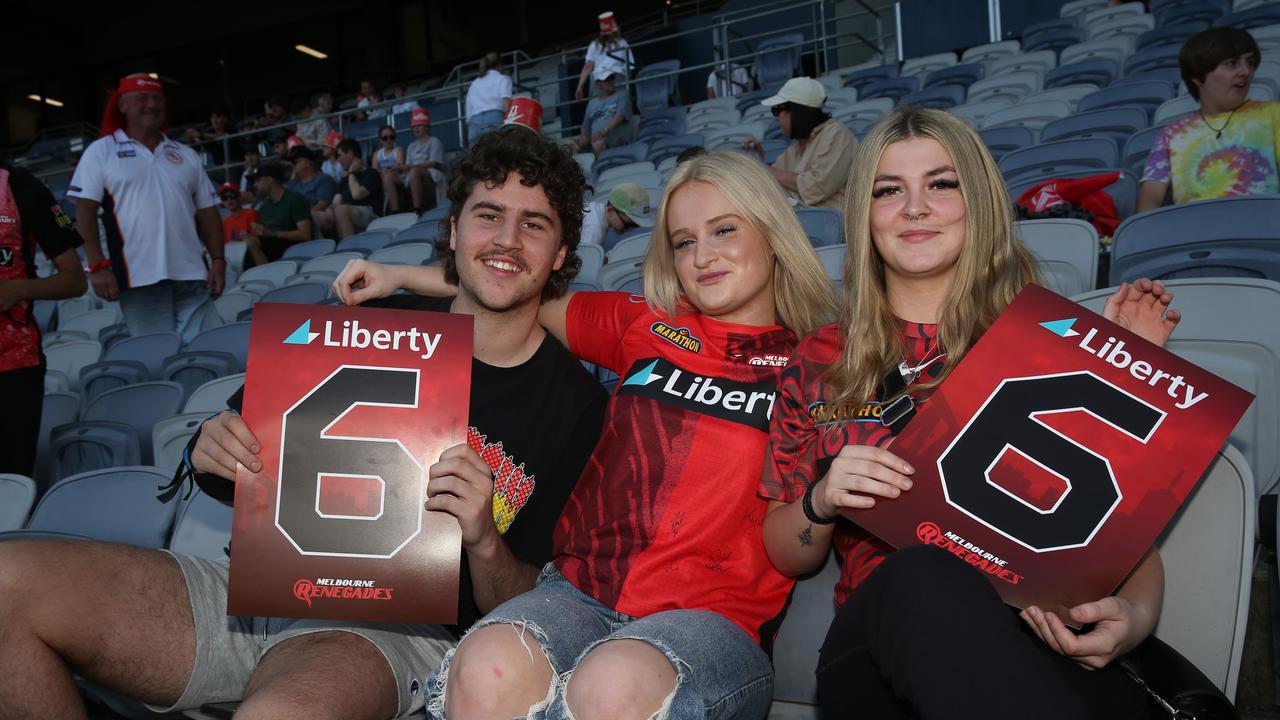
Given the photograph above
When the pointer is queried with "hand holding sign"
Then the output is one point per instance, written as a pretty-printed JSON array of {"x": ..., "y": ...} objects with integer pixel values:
[{"x": 1143, "y": 309}]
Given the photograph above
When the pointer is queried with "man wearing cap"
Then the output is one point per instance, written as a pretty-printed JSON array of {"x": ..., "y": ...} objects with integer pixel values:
[
  {"x": 158, "y": 208},
  {"x": 606, "y": 122},
  {"x": 285, "y": 213},
  {"x": 625, "y": 208},
  {"x": 308, "y": 181},
  {"x": 424, "y": 165},
  {"x": 252, "y": 161},
  {"x": 239, "y": 220},
  {"x": 609, "y": 54},
  {"x": 814, "y": 167}
]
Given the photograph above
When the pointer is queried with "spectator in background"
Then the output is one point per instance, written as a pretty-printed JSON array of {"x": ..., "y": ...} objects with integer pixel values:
[
  {"x": 209, "y": 139},
  {"x": 285, "y": 215},
  {"x": 388, "y": 160},
  {"x": 315, "y": 127},
  {"x": 399, "y": 92},
  {"x": 718, "y": 85},
  {"x": 690, "y": 153},
  {"x": 608, "y": 52},
  {"x": 359, "y": 195},
  {"x": 606, "y": 123},
  {"x": 237, "y": 223},
  {"x": 33, "y": 219},
  {"x": 329, "y": 150},
  {"x": 252, "y": 161},
  {"x": 312, "y": 184},
  {"x": 369, "y": 97},
  {"x": 1229, "y": 145},
  {"x": 488, "y": 98},
  {"x": 276, "y": 115},
  {"x": 158, "y": 209},
  {"x": 425, "y": 165},
  {"x": 814, "y": 166},
  {"x": 625, "y": 208}
]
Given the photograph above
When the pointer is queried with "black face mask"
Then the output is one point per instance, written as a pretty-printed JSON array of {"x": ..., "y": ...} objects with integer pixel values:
[{"x": 804, "y": 119}]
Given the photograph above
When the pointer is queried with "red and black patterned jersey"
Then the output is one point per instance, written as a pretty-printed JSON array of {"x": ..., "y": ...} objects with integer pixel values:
[
  {"x": 666, "y": 514},
  {"x": 808, "y": 431}
]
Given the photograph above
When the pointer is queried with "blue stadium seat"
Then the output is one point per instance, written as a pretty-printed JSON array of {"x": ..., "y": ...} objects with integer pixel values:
[
  {"x": 1066, "y": 252},
  {"x": 1052, "y": 159},
  {"x": 832, "y": 257},
  {"x": 202, "y": 528},
  {"x": 194, "y": 368},
  {"x": 232, "y": 338},
  {"x": 1160, "y": 57},
  {"x": 1147, "y": 95},
  {"x": 941, "y": 97},
  {"x": 304, "y": 251},
  {"x": 859, "y": 79},
  {"x": 170, "y": 436},
  {"x": 1117, "y": 123},
  {"x": 88, "y": 445},
  {"x": 112, "y": 334},
  {"x": 138, "y": 406},
  {"x": 823, "y": 226},
  {"x": 150, "y": 350},
  {"x": 212, "y": 396},
  {"x": 800, "y": 636},
  {"x": 17, "y": 495},
  {"x": 962, "y": 75},
  {"x": 365, "y": 242},
  {"x": 107, "y": 375},
  {"x": 672, "y": 146},
  {"x": 1231, "y": 237},
  {"x": 621, "y": 155},
  {"x": 893, "y": 88},
  {"x": 1054, "y": 39},
  {"x": 113, "y": 505},
  {"x": 58, "y": 409},
  {"x": 1267, "y": 14},
  {"x": 751, "y": 99},
  {"x": 418, "y": 253},
  {"x": 777, "y": 59},
  {"x": 1095, "y": 71},
  {"x": 653, "y": 93},
  {"x": 1184, "y": 13},
  {"x": 1171, "y": 76},
  {"x": 437, "y": 213},
  {"x": 1003, "y": 140},
  {"x": 46, "y": 311},
  {"x": 427, "y": 232},
  {"x": 663, "y": 121},
  {"x": 297, "y": 294},
  {"x": 1137, "y": 147},
  {"x": 1171, "y": 35}
]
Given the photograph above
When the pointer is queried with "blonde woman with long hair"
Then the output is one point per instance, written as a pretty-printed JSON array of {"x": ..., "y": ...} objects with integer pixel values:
[
  {"x": 932, "y": 261},
  {"x": 660, "y": 595}
]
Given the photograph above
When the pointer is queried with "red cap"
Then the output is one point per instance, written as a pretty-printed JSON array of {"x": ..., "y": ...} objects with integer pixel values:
[
  {"x": 112, "y": 118},
  {"x": 525, "y": 111},
  {"x": 228, "y": 187},
  {"x": 607, "y": 23},
  {"x": 420, "y": 117},
  {"x": 333, "y": 139},
  {"x": 292, "y": 142}
]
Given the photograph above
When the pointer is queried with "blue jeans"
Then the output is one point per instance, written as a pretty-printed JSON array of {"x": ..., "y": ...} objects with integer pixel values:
[
  {"x": 721, "y": 672},
  {"x": 168, "y": 306},
  {"x": 481, "y": 123}
]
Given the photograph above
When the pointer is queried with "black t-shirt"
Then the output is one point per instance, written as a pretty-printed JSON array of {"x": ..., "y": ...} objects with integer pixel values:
[
  {"x": 537, "y": 421},
  {"x": 371, "y": 181}
]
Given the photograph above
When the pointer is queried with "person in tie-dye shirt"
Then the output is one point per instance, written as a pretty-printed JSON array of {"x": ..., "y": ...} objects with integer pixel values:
[{"x": 1228, "y": 146}]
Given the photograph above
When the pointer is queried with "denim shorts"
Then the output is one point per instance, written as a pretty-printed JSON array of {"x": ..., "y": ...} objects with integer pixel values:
[{"x": 721, "y": 671}]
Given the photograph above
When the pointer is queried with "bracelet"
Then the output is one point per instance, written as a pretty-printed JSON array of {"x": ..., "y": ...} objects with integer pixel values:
[
  {"x": 216, "y": 259},
  {"x": 806, "y": 503},
  {"x": 102, "y": 264}
]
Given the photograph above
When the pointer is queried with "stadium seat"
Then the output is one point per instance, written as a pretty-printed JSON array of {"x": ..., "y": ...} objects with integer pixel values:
[
  {"x": 1123, "y": 192},
  {"x": 981, "y": 54},
  {"x": 435, "y": 214},
  {"x": 621, "y": 155},
  {"x": 615, "y": 274},
  {"x": 672, "y": 146},
  {"x": 1116, "y": 48},
  {"x": 836, "y": 98},
  {"x": 961, "y": 75},
  {"x": 45, "y": 311},
  {"x": 1095, "y": 71},
  {"x": 941, "y": 97},
  {"x": 323, "y": 277},
  {"x": 1261, "y": 15},
  {"x": 751, "y": 100},
  {"x": 60, "y": 336},
  {"x": 333, "y": 262},
  {"x": 202, "y": 528},
  {"x": 832, "y": 257},
  {"x": 592, "y": 257},
  {"x": 424, "y": 231},
  {"x": 170, "y": 435},
  {"x": 1054, "y": 38},
  {"x": 112, "y": 334},
  {"x": 138, "y": 406},
  {"x": 1136, "y": 149},
  {"x": 304, "y": 251},
  {"x": 232, "y": 338},
  {"x": 91, "y": 322},
  {"x": 404, "y": 254},
  {"x": 606, "y": 177},
  {"x": 632, "y": 246},
  {"x": 1268, "y": 75},
  {"x": 150, "y": 350},
  {"x": 363, "y": 243},
  {"x": 922, "y": 66},
  {"x": 731, "y": 138},
  {"x": 892, "y": 88},
  {"x": 58, "y": 382},
  {"x": 778, "y": 59},
  {"x": 1014, "y": 86},
  {"x": 57, "y": 409},
  {"x": 273, "y": 272},
  {"x": 17, "y": 495},
  {"x": 1146, "y": 95},
  {"x": 307, "y": 293},
  {"x": 823, "y": 226},
  {"x": 1117, "y": 123},
  {"x": 1002, "y": 140},
  {"x": 87, "y": 445},
  {"x": 712, "y": 106},
  {"x": 71, "y": 357},
  {"x": 100, "y": 377},
  {"x": 193, "y": 369},
  {"x": 799, "y": 639},
  {"x": 870, "y": 110},
  {"x": 1032, "y": 116},
  {"x": 1078, "y": 8},
  {"x": 114, "y": 505},
  {"x": 1122, "y": 26},
  {"x": 1070, "y": 94},
  {"x": 1160, "y": 57},
  {"x": 394, "y": 223},
  {"x": 233, "y": 302},
  {"x": 1066, "y": 253},
  {"x": 1166, "y": 35},
  {"x": 1038, "y": 61},
  {"x": 670, "y": 119},
  {"x": 1230, "y": 237},
  {"x": 1268, "y": 39},
  {"x": 1051, "y": 159},
  {"x": 212, "y": 396},
  {"x": 976, "y": 113},
  {"x": 71, "y": 307},
  {"x": 650, "y": 178},
  {"x": 235, "y": 252},
  {"x": 859, "y": 79},
  {"x": 1097, "y": 16}
]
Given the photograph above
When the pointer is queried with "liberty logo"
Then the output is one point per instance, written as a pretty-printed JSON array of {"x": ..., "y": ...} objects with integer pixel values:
[
  {"x": 659, "y": 379},
  {"x": 301, "y": 336},
  {"x": 352, "y": 335},
  {"x": 1061, "y": 328}
]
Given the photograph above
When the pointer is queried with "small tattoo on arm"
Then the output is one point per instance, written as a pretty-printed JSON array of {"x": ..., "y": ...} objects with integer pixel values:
[{"x": 806, "y": 536}]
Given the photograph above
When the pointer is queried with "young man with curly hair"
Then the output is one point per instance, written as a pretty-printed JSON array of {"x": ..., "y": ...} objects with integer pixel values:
[{"x": 152, "y": 624}]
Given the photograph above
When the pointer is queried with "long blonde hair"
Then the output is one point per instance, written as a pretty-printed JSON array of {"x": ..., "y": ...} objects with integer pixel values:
[
  {"x": 992, "y": 268},
  {"x": 803, "y": 295}
]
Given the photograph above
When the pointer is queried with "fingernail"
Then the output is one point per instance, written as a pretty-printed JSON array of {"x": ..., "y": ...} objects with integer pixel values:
[
  {"x": 255, "y": 466},
  {"x": 908, "y": 468},
  {"x": 255, "y": 449},
  {"x": 906, "y": 484}
]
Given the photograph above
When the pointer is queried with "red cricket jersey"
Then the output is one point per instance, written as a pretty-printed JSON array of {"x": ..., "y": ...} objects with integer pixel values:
[{"x": 666, "y": 514}]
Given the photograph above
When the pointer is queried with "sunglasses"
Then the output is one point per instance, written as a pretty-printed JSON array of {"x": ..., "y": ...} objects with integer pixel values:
[{"x": 387, "y": 137}]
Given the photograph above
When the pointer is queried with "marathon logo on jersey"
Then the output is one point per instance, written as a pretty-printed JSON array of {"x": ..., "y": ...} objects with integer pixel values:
[
  {"x": 339, "y": 589},
  {"x": 825, "y": 413},
  {"x": 353, "y": 335},
  {"x": 679, "y": 337},
  {"x": 1112, "y": 352},
  {"x": 749, "y": 404},
  {"x": 930, "y": 534}
]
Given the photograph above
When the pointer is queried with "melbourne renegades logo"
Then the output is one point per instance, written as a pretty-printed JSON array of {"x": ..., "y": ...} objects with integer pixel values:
[
  {"x": 928, "y": 532},
  {"x": 339, "y": 589}
]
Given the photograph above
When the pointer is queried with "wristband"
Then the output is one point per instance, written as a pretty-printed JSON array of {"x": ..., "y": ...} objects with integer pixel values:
[
  {"x": 806, "y": 503},
  {"x": 102, "y": 264}
]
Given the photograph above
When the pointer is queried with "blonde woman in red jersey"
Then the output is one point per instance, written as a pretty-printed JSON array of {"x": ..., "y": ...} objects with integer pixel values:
[
  {"x": 933, "y": 260},
  {"x": 661, "y": 595}
]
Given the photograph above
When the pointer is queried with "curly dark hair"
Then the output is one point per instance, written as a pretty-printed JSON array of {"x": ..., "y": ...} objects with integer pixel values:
[{"x": 541, "y": 162}]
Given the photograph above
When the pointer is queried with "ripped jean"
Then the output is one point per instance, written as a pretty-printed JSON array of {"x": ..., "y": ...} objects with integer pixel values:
[{"x": 721, "y": 671}]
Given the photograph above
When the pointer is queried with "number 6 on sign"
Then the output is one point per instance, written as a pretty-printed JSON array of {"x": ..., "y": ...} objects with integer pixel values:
[{"x": 310, "y": 453}]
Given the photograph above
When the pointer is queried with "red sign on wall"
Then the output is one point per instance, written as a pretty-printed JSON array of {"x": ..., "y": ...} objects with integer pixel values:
[
  {"x": 1056, "y": 452},
  {"x": 351, "y": 405}
]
